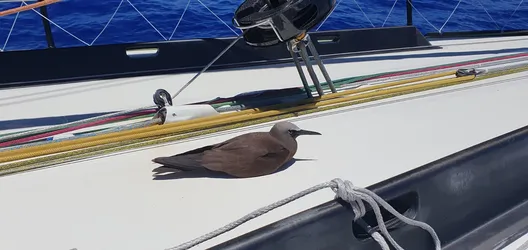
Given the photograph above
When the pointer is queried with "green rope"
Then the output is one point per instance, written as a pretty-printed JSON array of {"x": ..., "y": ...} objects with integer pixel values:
[
  {"x": 16, "y": 132},
  {"x": 337, "y": 83},
  {"x": 139, "y": 143}
]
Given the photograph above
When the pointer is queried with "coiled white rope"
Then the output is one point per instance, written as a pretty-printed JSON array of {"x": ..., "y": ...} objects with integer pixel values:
[{"x": 344, "y": 190}]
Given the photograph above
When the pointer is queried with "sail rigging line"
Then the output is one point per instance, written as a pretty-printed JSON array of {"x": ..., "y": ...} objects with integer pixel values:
[
  {"x": 135, "y": 143},
  {"x": 420, "y": 13},
  {"x": 217, "y": 17},
  {"x": 364, "y": 14},
  {"x": 73, "y": 128},
  {"x": 181, "y": 18},
  {"x": 145, "y": 18},
  {"x": 208, "y": 65},
  {"x": 486, "y": 10},
  {"x": 108, "y": 22},
  {"x": 513, "y": 13},
  {"x": 27, "y": 7},
  {"x": 11, "y": 29},
  {"x": 486, "y": 62},
  {"x": 136, "y": 125},
  {"x": 390, "y": 12},
  {"x": 450, "y": 15},
  {"x": 58, "y": 26},
  {"x": 245, "y": 115},
  {"x": 364, "y": 80},
  {"x": 321, "y": 24}
]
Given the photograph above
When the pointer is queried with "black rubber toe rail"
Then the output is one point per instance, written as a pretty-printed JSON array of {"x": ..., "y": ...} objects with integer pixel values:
[{"x": 474, "y": 199}]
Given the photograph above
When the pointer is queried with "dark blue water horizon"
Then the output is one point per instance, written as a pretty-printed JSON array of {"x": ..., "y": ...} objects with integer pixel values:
[{"x": 80, "y": 22}]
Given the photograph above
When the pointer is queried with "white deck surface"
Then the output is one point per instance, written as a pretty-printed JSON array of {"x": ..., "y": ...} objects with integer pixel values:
[
  {"x": 519, "y": 244},
  {"x": 128, "y": 93},
  {"x": 112, "y": 203}
]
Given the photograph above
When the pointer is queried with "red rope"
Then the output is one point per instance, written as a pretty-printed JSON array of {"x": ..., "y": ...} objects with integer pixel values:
[
  {"x": 65, "y": 130},
  {"x": 445, "y": 66}
]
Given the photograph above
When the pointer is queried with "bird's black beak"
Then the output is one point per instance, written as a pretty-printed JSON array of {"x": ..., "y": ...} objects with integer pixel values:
[{"x": 306, "y": 132}]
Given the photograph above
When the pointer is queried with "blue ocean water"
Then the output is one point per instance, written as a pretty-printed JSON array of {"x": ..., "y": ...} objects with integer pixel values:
[{"x": 86, "y": 19}]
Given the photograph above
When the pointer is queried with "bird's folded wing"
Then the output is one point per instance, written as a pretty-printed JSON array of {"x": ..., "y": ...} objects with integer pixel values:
[{"x": 245, "y": 154}]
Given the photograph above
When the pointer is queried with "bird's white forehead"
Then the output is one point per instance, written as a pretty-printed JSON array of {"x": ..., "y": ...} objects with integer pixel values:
[{"x": 284, "y": 126}]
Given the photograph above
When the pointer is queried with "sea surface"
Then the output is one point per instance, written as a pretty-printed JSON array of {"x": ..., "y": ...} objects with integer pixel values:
[{"x": 81, "y": 22}]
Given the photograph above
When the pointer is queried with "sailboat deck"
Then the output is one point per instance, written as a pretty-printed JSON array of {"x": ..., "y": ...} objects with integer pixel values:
[{"x": 112, "y": 202}]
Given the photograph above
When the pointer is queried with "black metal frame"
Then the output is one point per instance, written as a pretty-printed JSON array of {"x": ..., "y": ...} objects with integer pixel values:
[
  {"x": 408, "y": 5},
  {"x": 46, "y": 25}
]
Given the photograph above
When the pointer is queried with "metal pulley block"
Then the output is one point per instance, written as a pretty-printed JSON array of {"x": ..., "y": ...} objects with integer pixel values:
[
  {"x": 169, "y": 113},
  {"x": 162, "y": 98}
]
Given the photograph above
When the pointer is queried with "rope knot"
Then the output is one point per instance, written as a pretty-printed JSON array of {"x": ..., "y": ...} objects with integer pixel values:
[
  {"x": 349, "y": 193},
  {"x": 345, "y": 190}
]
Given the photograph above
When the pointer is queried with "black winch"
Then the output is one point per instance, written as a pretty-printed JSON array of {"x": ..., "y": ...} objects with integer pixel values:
[{"x": 271, "y": 22}]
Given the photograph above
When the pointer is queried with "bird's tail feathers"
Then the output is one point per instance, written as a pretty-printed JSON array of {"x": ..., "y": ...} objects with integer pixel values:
[{"x": 180, "y": 163}]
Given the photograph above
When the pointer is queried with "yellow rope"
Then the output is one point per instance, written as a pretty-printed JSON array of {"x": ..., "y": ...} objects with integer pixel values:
[
  {"x": 39, "y": 162},
  {"x": 209, "y": 122},
  {"x": 75, "y": 144},
  {"x": 70, "y": 156}
]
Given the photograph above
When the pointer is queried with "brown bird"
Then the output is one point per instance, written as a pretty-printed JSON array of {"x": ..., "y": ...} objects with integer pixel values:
[{"x": 248, "y": 155}]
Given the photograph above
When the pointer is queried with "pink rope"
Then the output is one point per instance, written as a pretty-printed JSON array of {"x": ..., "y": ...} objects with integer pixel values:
[
  {"x": 445, "y": 67},
  {"x": 40, "y": 136},
  {"x": 65, "y": 130}
]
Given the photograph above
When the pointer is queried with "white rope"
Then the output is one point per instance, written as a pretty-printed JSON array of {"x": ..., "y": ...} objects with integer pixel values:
[
  {"x": 110, "y": 20},
  {"x": 450, "y": 15},
  {"x": 486, "y": 10},
  {"x": 344, "y": 190},
  {"x": 324, "y": 21},
  {"x": 439, "y": 30},
  {"x": 381, "y": 241},
  {"x": 148, "y": 21},
  {"x": 356, "y": 195},
  {"x": 390, "y": 12},
  {"x": 217, "y": 17},
  {"x": 208, "y": 65},
  {"x": 420, "y": 13},
  {"x": 107, "y": 23},
  {"x": 515, "y": 11},
  {"x": 179, "y": 21},
  {"x": 364, "y": 14},
  {"x": 58, "y": 26},
  {"x": 11, "y": 29}
]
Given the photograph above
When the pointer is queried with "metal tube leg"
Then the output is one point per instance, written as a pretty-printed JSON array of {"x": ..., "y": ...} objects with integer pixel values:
[
  {"x": 306, "y": 59},
  {"x": 301, "y": 73},
  {"x": 315, "y": 54}
]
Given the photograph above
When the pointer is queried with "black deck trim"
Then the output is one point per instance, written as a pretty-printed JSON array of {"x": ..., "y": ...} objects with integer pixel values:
[
  {"x": 54, "y": 65},
  {"x": 474, "y": 199}
]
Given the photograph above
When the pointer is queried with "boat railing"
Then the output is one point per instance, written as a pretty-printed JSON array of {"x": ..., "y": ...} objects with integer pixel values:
[{"x": 411, "y": 11}]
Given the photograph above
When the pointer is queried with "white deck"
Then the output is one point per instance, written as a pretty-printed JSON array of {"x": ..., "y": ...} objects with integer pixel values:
[{"x": 113, "y": 203}]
